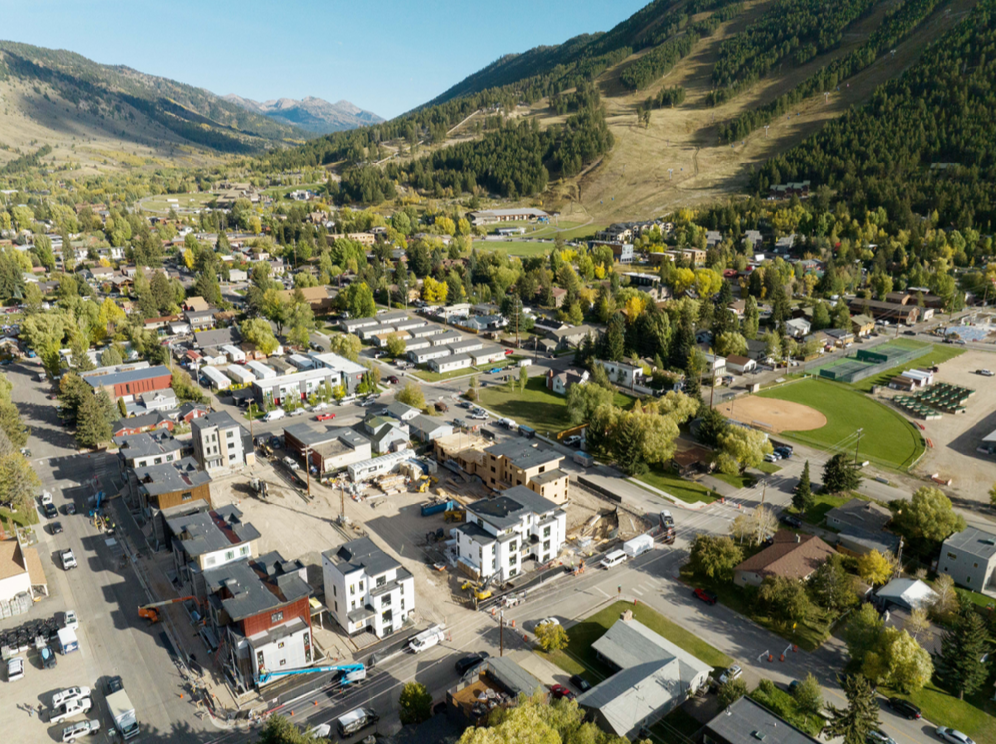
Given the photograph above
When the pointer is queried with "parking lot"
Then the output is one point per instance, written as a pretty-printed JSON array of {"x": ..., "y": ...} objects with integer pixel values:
[{"x": 956, "y": 437}]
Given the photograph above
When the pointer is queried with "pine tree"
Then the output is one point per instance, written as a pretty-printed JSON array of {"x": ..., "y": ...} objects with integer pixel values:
[
  {"x": 840, "y": 474},
  {"x": 960, "y": 666},
  {"x": 92, "y": 425},
  {"x": 693, "y": 378},
  {"x": 615, "y": 339},
  {"x": 802, "y": 498},
  {"x": 861, "y": 714}
]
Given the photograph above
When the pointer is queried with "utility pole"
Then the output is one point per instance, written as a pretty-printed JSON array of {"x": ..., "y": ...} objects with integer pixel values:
[
  {"x": 899, "y": 559},
  {"x": 856, "y": 444},
  {"x": 764, "y": 490},
  {"x": 501, "y": 632},
  {"x": 307, "y": 468},
  {"x": 252, "y": 438}
]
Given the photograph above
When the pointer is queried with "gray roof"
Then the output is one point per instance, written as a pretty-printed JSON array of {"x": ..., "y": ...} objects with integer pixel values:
[
  {"x": 974, "y": 542},
  {"x": 309, "y": 436},
  {"x": 475, "y": 531},
  {"x": 524, "y": 455},
  {"x": 909, "y": 593},
  {"x": 363, "y": 555},
  {"x": 218, "y": 337},
  {"x": 855, "y": 537},
  {"x": 398, "y": 409},
  {"x": 221, "y": 419},
  {"x": 508, "y": 509},
  {"x": 862, "y": 514},
  {"x": 549, "y": 476},
  {"x": 134, "y": 375},
  {"x": 171, "y": 476},
  {"x": 254, "y": 592},
  {"x": 427, "y": 424},
  {"x": 147, "y": 444},
  {"x": 653, "y": 673},
  {"x": 510, "y": 675},
  {"x": 210, "y": 531},
  {"x": 747, "y": 722}
]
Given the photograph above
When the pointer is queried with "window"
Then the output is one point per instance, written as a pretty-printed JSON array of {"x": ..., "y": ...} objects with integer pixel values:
[
  {"x": 335, "y": 591},
  {"x": 336, "y": 606},
  {"x": 187, "y": 496},
  {"x": 244, "y": 550},
  {"x": 352, "y": 588},
  {"x": 230, "y": 433},
  {"x": 352, "y": 605},
  {"x": 513, "y": 559},
  {"x": 402, "y": 605},
  {"x": 546, "y": 531},
  {"x": 277, "y": 617},
  {"x": 280, "y": 644},
  {"x": 229, "y": 555},
  {"x": 952, "y": 557},
  {"x": 385, "y": 601},
  {"x": 158, "y": 461},
  {"x": 283, "y": 662},
  {"x": 361, "y": 586},
  {"x": 381, "y": 580},
  {"x": 546, "y": 545},
  {"x": 511, "y": 546}
]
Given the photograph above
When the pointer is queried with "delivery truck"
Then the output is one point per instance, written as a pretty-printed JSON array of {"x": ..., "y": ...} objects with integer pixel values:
[{"x": 121, "y": 710}]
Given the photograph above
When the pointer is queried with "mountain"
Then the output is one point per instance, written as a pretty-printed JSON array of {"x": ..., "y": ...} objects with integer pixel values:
[
  {"x": 56, "y": 96},
  {"x": 312, "y": 114}
]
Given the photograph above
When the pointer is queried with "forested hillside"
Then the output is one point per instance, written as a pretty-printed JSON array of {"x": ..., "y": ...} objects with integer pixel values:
[{"x": 926, "y": 142}]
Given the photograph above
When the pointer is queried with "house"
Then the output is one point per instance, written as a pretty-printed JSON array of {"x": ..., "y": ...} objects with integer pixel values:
[
  {"x": 260, "y": 614},
  {"x": 909, "y": 594},
  {"x": 558, "y": 294},
  {"x": 189, "y": 411},
  {"x": 561, "y": 382},
  {"x": 147, "y": 448},
  {"x": 427, "y": 429},
  {"x": 570, "y": 337},
  {"x": 366, "y": 589},
  {"x": 691, "y": 458},
  {"x": 791, "y": 556},
  {"x": 969, "y": 557},
  {"x": 862, "y": 325},
  {"x": 748, "y": 722},
  {"x": 386, "y": 434},
  {"x": 158, "y": 400},
  {"x": 344, "y": 448},
  {"x": 486, "y": 355},
  {"x": 156, "y": 488},
  {"x": 839, "y": 338},
  {"x": 201, "y": 320},
  {"x": 860, "y": 514},
  {"x": 208, "y": 538},
  {"x": 740, "y": 365},
  {"x": 401, "y": 411},
  {"x": 196, "y": 304},
  {"x": 797, "y": 327},
  {"x": 220, "y": 442},
  {"x": 450, "y": 363},
  {"x": 500, "y": 533},
  {"x": 495, "y": 681},
  {"x": 738, "y": 308},
  {"x": 214, "y": 378},
  {"x": 128, "y": 384},
  {"x": 22, "y": 577},
  {"x": 624, "y": 375},
  {"x": 653, "y": 676},
  {"x": 317, "y": 297},
  {"x": 209, "y": 343},
  {"x": 138, "y": 424}
]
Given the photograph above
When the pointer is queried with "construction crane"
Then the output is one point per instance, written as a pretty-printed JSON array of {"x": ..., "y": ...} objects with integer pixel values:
[
  {"x": 348, "y": 673},
  {"x": 152, "y": 613}
]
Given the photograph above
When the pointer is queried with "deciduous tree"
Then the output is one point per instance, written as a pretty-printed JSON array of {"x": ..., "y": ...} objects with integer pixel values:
[
  {"x": 809, "y": 695},
  {"x": 929, "y": 515},
  {"x": 742, "y": 448},
  {"x": 552, "y": 637},
  {"x": 714, "y": 556},
  {"x": 874, "y": 568},
  {"x": 414, "y": 704},
  {"x": 411, "y": 395}
]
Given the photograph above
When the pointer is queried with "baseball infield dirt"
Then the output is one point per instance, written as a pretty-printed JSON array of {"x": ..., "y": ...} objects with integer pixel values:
[{"x": 773, "y": 415}]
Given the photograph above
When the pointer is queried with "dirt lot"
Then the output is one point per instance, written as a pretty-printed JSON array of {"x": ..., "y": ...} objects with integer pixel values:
[
  {"x": 956, "y": 437},
  {"x": 779, "y": 415}
]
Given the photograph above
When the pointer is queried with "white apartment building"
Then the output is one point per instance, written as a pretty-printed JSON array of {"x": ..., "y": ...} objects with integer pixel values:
[
  {"x": 501, "y": 533},
  {"x": 367, "y": 588},
  {"x": 208, "y": 539},
  {"x": 219, "y": 442}
]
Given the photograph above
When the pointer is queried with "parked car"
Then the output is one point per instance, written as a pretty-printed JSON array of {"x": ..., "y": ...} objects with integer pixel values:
[
  {"x": 55, "y": 528},
  {"x": 790, "y": 520},
  {"x": 27, "y": 453},
  {"x": 494, "y": 370},
  {"x": 68, "y": 560},
  {"x": 70, "y": 509},
  {"x": 986, "y": 372},
  {"x": 392, "y": 380},
  {"x": 325, "y": 417},
  {"x": 573, "y": 441},
  {"x": 548, "y": 621},
  {"x": 953, "y": 736},
  {"x": 467, "y": 663},
  {"x": 878, "y": 737},
  {"x": 15, "y": 668},
  {"x": 48, "y": 658},
  {"x": 298, "y": 412},
  {"x": 275, "y": 415},
  {"x": 559, "y": 691},
  {"x": 904, "y": 708},
  {"x": 50, "y": 510},
  {"x": 70, "y": 620},
  {"x": 772, "y": 457},
  {"x": 69, "y": 694},
  {"x": 730, "y": 674},
  {"x": 319, "y": 406},
  {"x": 441, "y": 407},
  {"x": 580, "y": 682},
  {"x": 708, "y": 597}
]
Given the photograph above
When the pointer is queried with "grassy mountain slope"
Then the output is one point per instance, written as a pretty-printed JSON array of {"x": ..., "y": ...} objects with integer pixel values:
[{"x": 61, "y": 98}]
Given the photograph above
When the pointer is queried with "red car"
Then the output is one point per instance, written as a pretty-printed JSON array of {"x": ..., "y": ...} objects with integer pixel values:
[
  {"x": 325, "y": 417},
  {"x": 559, "y": 691},
  {"x": 708, "y": 597},
  {"x": 392, "y": 380},
  {"x": 509, "y": 352}
]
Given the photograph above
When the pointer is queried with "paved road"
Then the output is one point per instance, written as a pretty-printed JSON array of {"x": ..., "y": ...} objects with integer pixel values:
[{"x": 104, "y": 591}]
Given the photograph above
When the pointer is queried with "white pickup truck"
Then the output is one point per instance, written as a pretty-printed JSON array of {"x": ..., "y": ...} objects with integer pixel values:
[{"x": 70, "y": 709}]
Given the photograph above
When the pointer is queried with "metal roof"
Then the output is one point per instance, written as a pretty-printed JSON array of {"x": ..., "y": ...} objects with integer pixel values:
[
  {"x": 509, "y": 508},
  {"x": 210, "y": 531},
  {"x": 361, "y": 554},
  {"x": 171, "y": 476},
  {"x": 749, "y": 722},
  {"x": 118, "y": 378}
]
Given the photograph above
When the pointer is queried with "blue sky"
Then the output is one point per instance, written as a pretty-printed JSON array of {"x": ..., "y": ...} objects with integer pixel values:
[{"x": 387, "y": 56}]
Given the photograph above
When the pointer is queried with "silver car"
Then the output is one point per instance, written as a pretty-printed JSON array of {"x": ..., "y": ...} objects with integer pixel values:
[{"x": 953, "y": 736}]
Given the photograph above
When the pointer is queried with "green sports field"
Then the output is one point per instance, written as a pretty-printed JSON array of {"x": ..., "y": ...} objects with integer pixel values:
[{"x": 887, "y": 439}]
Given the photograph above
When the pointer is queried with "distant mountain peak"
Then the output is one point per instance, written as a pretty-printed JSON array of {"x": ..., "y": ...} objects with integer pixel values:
[{"x": 310, "y": 113}]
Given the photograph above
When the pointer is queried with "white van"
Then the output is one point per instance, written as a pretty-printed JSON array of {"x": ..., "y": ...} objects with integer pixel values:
[
  {"x": 427, "y": 639},
  {"x": 275, "y": 415},
  {"x": 613, "y": 559},
  {"x": 355, "y": 720}
]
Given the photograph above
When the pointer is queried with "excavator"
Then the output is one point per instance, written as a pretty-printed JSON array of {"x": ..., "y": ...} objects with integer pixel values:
[
  {"x": 455, "y": 515},
  {"x": 149, "y": 611},
  {"x": 481, "y": 590},
  {"x": 348, "y": 673}
]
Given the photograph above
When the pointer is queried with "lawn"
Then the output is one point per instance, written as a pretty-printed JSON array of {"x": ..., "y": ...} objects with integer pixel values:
[
  {"x": 784, "y": 705},
  {"x": 24, "y": 517},
  {"x": 768, "y": 467},
  {"x": 887, "y": 438},
  {"x": 536, "y": 407},
  {"x": 972, "y": 716},
  {"x": 515, "y": 247},
  {"x": 824, "y": 503},
  {"x": 580, "y": 658},
  {"x": 737, "y": 481},
  {"x": 429, "y": 376},
  {"x": 936, "y": 354},
  {"x": 678, "y": 487},
  {"x": 808, "y": 635}
]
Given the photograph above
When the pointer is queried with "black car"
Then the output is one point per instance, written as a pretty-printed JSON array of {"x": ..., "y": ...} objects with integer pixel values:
[
  {"x": 55, "y": 528},
  {"x": 48, "y": 658},
  {"x": 469, "y": 662},
  {"x": 790, "y": 520},
  {"x": 580, "y": 682},
  {"x": 904, "y": 708},
  {"x": 114, "y": 684},
  {"x": 50, "y": 510}
]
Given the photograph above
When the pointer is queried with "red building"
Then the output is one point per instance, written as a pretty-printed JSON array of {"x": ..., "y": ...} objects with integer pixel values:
[{"x": 131, "y": 383}]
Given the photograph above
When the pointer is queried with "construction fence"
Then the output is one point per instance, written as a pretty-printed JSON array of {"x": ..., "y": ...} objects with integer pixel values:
[{"x": 868, "y": 362}]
